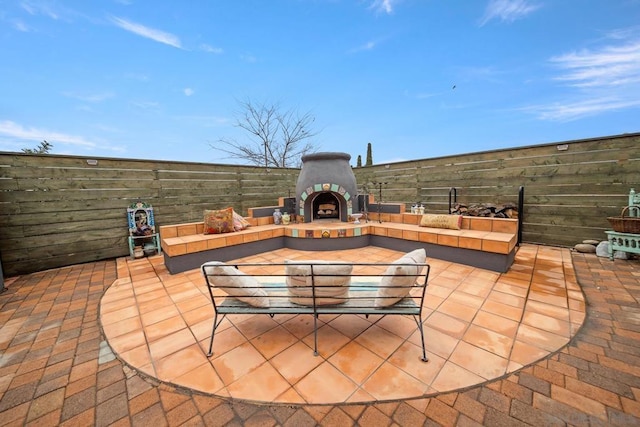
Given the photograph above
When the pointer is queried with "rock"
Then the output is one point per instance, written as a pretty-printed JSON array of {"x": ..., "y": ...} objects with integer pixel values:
[
  {"x": 621, "y": 255},
  {"x": 585, "y": 248},
  {"x": 602, "y": 249},
  {"x": 591, "y": 242}
]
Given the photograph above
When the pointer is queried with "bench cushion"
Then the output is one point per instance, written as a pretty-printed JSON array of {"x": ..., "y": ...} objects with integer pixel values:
[
  {"x": 399, "y": 279},
  {"x": 331, "y": 280},
  {"x": 453, "y": 222},
  {"x": 236, "y": 284}
]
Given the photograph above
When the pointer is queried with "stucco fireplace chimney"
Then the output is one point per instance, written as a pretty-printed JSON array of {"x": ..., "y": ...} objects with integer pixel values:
[{"x": 326, "y": 188}]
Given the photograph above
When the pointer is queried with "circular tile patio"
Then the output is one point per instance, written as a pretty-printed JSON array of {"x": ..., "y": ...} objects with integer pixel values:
[{"x": 479, "y": 325}]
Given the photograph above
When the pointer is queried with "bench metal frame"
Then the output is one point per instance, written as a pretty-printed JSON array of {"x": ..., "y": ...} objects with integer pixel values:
[{"x": 360, "y": 300}]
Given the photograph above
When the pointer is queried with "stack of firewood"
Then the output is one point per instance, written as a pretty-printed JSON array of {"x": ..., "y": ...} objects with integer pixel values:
[{"x": 506, "y": 210}]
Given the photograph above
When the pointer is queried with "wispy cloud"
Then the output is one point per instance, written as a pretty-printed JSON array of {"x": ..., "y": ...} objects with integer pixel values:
[
  {"x": 565, "y": 112},
  {"x": 247, "y": 57},
  {"x": 205, "y": 121},
  {"x": 21, "y": 26},
  {"x": 384, "y": 6},
  {"x": 599, "y": 80},
  {"x": 210, "y": 49},
  {"x": 107, "y": 128},
  {"x": 188, "y": 91},
  {"x": 136, "y": 76},
  {"x": 370, "y": 45},
  {"x": 486, "y": 73},
  {"x": 39, "y": 8},
  {"x": 93, "y": 98},
  {"x": 609, "y": 66},
  {"x": 427, "y": 95},
  {"x": 149, "y": 33},
  {"x": 623, "y": 33},
  {"x": 422, "y": 95},
  {"x": 52, "y": 10},
  {"x": 146, "y": 105},
  {"x": 507, "y": 10},
  {"x": 14, "y": 130}
]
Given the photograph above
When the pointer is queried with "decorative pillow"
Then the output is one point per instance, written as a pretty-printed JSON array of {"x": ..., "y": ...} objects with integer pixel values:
[
  {"x": 399, "y": 279},
  {"x": 218, "y": 221},
  {"x": 239, "y": 223},
  {"x": 236, "y": 283},
  {"x": 453, "y": 222},
  {"x": 331, "y": 280}
]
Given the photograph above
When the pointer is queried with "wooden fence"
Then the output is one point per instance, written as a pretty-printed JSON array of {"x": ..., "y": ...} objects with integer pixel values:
[
  {"x": 63, "y": 210},
  {"x": 569, "y": 188}
]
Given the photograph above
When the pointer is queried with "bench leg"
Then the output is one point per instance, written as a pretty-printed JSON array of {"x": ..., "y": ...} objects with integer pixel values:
[
  {"x": 213, "y": 332},
  {"x": 424, "y": 357},
  {"x": 315, "y": 334},
  {"x": 610, "y": 249},
  {"x": 131, "y": 247}
]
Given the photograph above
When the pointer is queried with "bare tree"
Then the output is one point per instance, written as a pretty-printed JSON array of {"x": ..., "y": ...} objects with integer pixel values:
[{"x": 276, "y": 138}]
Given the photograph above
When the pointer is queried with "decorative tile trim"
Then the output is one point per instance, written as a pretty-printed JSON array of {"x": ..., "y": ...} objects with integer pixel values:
[{"x": 318, "y": 187}]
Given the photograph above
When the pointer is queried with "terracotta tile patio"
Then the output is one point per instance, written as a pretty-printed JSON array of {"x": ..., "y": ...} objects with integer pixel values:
[
  {"x": 479, "y": 325},
  {"x": 501, "y": 337}
]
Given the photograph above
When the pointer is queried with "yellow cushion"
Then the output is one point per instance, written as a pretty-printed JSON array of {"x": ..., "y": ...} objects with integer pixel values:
[
  {"x": 218, "y": 221},
  {"x": 453, "y": 222}
]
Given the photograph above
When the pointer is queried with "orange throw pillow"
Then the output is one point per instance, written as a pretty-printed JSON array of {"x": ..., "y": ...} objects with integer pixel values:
[{"x": 218, "y": 221}]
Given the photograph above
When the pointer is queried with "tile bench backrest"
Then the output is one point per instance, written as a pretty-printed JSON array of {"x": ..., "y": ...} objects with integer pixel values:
[
  {"x": 500, "y": 225},
  {"x": 191, "y": 228}
]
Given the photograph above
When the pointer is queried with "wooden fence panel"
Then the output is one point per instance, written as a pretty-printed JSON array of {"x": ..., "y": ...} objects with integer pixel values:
[
  {"x": 570, "y": 188},
  {"x": 62, "y": 210}
]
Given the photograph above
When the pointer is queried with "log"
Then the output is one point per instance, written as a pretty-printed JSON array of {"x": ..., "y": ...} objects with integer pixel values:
[{"x": 490, "y": 210}]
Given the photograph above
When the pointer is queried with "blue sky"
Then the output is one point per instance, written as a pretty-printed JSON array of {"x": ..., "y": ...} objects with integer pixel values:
[{"x": 416, "y": 78}]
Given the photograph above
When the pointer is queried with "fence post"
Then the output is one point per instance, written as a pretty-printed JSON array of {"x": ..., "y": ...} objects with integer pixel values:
[{"x": 520, "y": 213}]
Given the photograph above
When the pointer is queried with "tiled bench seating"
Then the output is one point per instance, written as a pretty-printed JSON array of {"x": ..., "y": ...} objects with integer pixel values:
[{"x": 488, "y": 243}]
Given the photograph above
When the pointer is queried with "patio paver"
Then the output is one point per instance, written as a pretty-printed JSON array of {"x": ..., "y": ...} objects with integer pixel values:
[{"x": 56, "y": 370}]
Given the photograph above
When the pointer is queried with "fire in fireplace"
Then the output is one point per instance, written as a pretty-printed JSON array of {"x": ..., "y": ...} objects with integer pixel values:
[{"x": 326, "y": 188}]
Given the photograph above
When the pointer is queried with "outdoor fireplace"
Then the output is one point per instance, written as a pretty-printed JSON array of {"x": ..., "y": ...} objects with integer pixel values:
[{"x": 326, "y": 188}]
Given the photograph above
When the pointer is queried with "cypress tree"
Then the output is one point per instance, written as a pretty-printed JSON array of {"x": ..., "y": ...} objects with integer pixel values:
[
  {"x": 369, "y": 156},
  {"x": 359, "y": 164}
]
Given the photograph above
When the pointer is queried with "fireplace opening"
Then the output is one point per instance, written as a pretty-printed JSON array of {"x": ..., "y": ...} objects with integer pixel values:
[{"x": 326, "y": 206}]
